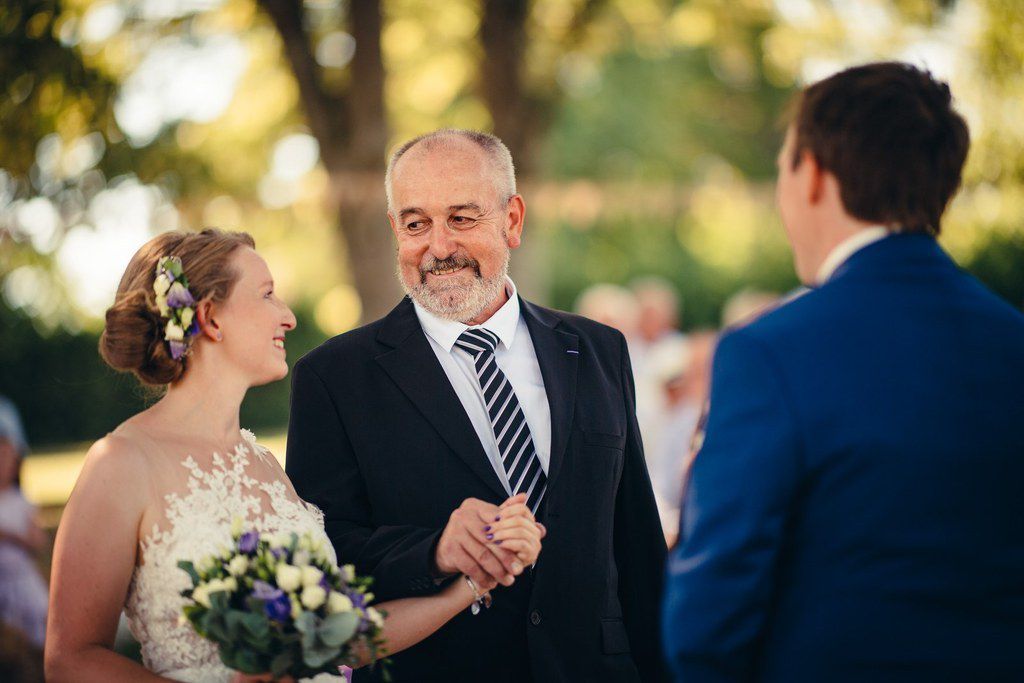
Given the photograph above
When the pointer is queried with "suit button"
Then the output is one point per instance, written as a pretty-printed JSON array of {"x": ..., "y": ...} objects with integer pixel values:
[{"x": 535, "y": 618}]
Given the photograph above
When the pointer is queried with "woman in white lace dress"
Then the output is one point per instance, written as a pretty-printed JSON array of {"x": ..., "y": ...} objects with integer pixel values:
[{"x": 167, "y": 483}]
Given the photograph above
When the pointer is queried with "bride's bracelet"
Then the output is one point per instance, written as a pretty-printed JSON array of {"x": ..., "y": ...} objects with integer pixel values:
[{"x": 478, "y": 599}]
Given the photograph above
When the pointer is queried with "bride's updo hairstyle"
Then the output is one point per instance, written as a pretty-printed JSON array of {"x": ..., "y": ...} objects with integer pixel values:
[{"x": 133, "y": 337}]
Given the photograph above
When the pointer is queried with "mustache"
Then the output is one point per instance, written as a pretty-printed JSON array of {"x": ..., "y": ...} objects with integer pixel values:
[{"x": 453, "y": 262}]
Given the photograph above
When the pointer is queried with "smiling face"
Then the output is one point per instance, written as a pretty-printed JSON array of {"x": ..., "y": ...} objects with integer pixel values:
[
  {"x": 253, "y": 321},
  {"x": 454, "y": 230}
]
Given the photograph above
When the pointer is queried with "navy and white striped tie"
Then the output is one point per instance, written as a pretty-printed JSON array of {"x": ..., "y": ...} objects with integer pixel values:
[{"x": 518, "y": 454}]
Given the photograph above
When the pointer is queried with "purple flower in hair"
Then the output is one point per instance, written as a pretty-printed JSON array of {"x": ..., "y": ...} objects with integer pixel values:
[
  {"x": 178, "y": 349},
  {"x": 179, "y": 297}
]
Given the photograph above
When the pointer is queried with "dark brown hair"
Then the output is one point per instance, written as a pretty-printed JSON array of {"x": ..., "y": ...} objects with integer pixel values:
[
  {"x": 889, "y": 134},
  {"x": 133, "y": 337}
]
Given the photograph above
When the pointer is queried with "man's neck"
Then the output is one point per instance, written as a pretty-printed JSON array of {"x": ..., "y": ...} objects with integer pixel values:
[{"x": 493, "y": 308}]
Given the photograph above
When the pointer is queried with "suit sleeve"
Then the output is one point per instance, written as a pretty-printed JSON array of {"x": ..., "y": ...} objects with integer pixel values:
[
  {"x": 741, "y": 486},
  {"x": 639, "y": 543},
  {"x": 325, "y": 471}
]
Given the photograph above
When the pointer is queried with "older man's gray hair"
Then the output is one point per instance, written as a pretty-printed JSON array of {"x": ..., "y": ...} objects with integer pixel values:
[{"x": 497, "y": 154}]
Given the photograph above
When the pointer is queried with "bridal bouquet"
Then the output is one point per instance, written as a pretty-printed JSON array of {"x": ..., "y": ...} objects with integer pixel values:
[{"x": 275, "y": 602}]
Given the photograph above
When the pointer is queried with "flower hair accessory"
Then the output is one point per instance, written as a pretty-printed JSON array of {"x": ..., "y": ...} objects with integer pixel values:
[{"x": 176, "y": 304}]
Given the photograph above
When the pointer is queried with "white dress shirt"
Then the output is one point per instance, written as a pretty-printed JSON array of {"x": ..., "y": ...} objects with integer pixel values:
[
  {"x": 515, "y": 357},
  {"x": 847, "y": 248}
]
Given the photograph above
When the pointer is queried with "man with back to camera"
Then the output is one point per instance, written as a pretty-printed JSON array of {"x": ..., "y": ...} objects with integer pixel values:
[
  {"x": 462, "y": 396},
  {"x": 855, "y": 511}
]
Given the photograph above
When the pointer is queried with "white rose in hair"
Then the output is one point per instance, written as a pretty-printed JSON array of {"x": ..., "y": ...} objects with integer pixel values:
[
  {"x": 161, "y": 303},
  {"x": 186, "y": 317},
  {"x": 161, "y": 284},
  {"x": 173, "y": 332}
]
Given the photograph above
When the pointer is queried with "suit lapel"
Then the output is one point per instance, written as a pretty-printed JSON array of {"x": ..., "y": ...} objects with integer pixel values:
[
  {"x": 558, "y": 354},
  {"x": 412, "y": 365}
]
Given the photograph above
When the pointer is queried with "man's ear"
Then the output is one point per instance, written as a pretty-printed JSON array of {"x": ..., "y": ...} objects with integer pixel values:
[
  {"x": 394, "y": 225},
  {"x": 813, "y": 177},
  {"x": 207, "y": 322},
  {"x": 515, "y": 217}
]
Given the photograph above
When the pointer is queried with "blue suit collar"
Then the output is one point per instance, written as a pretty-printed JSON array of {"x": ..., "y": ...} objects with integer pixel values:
[{"x": 898, "y": 251}]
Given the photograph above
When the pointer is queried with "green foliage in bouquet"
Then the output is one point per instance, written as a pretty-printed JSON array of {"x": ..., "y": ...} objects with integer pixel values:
[{"x": 277, "y": 603}]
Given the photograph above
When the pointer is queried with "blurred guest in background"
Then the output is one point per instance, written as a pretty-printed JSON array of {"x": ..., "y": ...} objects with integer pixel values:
[
  {"x": 746, "y": 306},
  {"x": 680, "y": 368},
  {"x": 611, "y": 305},
  {"x": 659, "y": 310},
  {"x": 657, "y": 337},
  {"x": 23, "y": 593}
]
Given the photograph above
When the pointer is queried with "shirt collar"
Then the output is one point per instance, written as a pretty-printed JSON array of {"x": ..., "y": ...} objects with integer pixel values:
[
  {"x": 847, "y": 248},
  {"x": 503, "y": 323}
]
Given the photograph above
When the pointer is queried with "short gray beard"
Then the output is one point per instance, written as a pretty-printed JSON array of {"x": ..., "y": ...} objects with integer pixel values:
[{"x": 457, "y": 302}]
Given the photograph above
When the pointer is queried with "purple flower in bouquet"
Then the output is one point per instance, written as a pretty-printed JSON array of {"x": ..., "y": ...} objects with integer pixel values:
[
  {"x": 276, "y": 604},
  {"x": 261, "y": 590},
  {"x": 279, "y": 609},
  {"x": 247, "y": 543}
]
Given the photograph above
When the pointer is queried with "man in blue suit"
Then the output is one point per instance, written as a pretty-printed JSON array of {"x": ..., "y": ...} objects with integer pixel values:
[{"x": 856, "y": 511}]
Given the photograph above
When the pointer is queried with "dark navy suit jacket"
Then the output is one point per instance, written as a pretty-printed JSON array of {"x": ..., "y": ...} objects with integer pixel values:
[
  {"x": 856, "y": 512},
  {"x": 379, "y": 441}
]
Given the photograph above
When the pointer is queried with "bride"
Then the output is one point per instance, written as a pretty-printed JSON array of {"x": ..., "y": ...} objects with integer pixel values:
[{"x": 167, "y": 483}]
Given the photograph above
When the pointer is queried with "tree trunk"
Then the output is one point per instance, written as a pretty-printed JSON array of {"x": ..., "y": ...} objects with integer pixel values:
[
  {"x": 362, "y": 220},
  {"x": 503, "y": 37},
  {"x": 352, "y": 132}
]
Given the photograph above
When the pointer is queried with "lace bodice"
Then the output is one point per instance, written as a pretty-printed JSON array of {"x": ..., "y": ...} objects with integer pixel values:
[{"x": 197, "y": 524}]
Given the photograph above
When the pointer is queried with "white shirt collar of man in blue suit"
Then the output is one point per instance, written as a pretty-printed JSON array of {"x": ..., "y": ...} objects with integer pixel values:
[{"x": 847, "y": 248}]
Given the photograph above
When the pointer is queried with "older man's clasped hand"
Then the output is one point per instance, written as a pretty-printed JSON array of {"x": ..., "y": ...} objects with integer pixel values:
[{"x": 490, "y": 544}]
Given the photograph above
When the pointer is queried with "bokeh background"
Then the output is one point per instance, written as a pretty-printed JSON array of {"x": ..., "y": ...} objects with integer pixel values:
[{"x": 644, "y": 134}]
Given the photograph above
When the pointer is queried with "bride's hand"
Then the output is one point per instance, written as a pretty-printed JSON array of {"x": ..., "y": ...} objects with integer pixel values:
[{"x": 518, "y": 531}]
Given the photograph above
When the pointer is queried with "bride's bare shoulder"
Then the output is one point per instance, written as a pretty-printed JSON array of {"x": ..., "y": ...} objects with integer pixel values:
[
  {"x": 119, "y": 458},
  {"x": 113, "y": 487}
]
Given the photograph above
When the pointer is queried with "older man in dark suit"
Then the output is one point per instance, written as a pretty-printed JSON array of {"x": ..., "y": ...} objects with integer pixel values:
[
  {"x": 464, "y": 395},
  {"x": 855, "y": 511}
]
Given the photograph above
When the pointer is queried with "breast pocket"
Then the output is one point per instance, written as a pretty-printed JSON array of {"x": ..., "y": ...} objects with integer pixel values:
[{"x": 592, "y": 438}]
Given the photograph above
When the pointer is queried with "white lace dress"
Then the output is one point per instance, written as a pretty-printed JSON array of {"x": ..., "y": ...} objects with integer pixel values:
[{"x": 198, "y": 523}]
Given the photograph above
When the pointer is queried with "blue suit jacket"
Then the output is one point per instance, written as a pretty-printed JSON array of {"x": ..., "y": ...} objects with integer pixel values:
[{"x": 856, "y": 512}]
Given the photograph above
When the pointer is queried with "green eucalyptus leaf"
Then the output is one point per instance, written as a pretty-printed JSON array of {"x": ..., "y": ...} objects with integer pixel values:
[
  {"x": 306, "y": 622},
  {"x": 280, "y": 665},
  {"x": 254, "y": 625},
  {"x": 316, "y": 657},
  {"x": 219, "y": 601},
  {"x": 216, "y": 628},
  {"x": 190, "y": 569},
  {"x": 249, "y": 662},
  {"x": 337, "y": 629}
]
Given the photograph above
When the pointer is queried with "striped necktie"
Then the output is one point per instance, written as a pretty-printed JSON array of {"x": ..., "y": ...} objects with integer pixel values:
[{"x": 515, "y": 444}]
